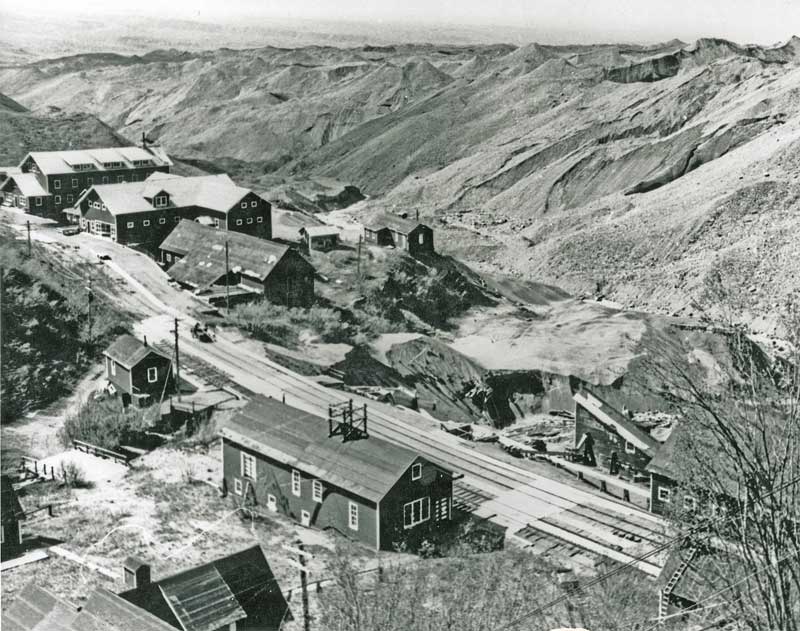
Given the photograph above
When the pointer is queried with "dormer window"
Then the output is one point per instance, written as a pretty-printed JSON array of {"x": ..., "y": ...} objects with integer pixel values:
[
  {"x": 112, "y": 165},
  {"x": 161, "y": 201}
]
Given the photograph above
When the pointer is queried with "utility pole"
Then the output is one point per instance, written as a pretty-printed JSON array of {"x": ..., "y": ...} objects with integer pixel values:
[
  {"x": 89, "y": 301},
  {"x": 28, "y": 224},
  {"x": 227, "y": 280},
  {"x": 299, "y": 549},
  {"x": 177, "y": 362},
  {"x": 358, "y": 265}
]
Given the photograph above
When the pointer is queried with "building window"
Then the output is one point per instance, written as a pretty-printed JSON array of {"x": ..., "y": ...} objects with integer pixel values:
[
  {"x": 2, "y": 534},
  {"x": 134, "y": 177},
  {"x": 146, "y": 222},
  {"x": 169, "y": 258},
  {"x": 663, "y": 494},
  {"x": 89, "y": 181},
  {"x": 244, "y": 204},
  {"x": 249, "y": 220},
  {"x": 152, "y": 375},
  {"x": 56, "y": 184},
  {"x": 161, "y": 201},
  {"x": 316, "y": 491},
  {"x": 113, "y": 367},
  {"x": 421, "y": 239},
  {"x": 57, "y": 199},
  {"x": 272, "y": 502},
  {"x": 253, "y": 204},
  {"x": 237, "y": 486},
  {"x": 238, "y": 222},
  {"x": 689, "y": 503},
  {"x": 69, "y": 198},
  {"x": 176, "y": 218},
  {"x": 74, "y": 182},
  {"x": 162, "y": 220},
  {"x": 416, "y": 471},
  {"x": 248, "y": 466},
  {"x": 105, "y": 179},
  {"x": 130, "y": 224},
  {"x": 260, "y": 219},
  {"x": 120, "y": 179},
  {"x": 629, "y": 448},
  {"x": 353, "y": 516},
  {"x": 38, "y": 201},
  {"x": 416, "y": 512},
  {"x": 216, "y": 222},
  {"x": 295, "y": 482}
]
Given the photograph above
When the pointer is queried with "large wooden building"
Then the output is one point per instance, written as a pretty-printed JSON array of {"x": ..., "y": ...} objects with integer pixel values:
[
  {"x": 23, "y": 191},
  {"x": 65, "y": 175},
  {"x": 139, "y": 373},
  {"x": 144, "y": 213},
  {"x": 195, "y": 256},
  {"x": 279, "y": 458},
  {"x": 11, "y": 514},
  {"x": 399, "y": 231}
]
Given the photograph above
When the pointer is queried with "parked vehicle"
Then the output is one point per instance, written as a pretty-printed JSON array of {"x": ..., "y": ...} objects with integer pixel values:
[
  {"x": 203, "y": 333},
  {"x": 104, "y": 257},
  {"x": 70, "y": 231}
]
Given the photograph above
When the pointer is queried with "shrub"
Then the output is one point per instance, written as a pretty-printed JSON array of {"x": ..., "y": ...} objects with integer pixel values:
[
  {"x": 104, "y": 423},
  {"x": 73, "y": 476}
]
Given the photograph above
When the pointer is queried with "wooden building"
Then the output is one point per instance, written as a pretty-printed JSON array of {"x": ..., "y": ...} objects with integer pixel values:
[
  {"x": 321, "y": 238},
  {"x": 401, "y": 232},
  {"x": 232, "y": 593},
  {"x": 65, "y": 175},
  {"x": 11, "y": 514},
  {"x": 608, "y": 438},
  {"x": 23, "y": 191},
  {"x": 144, "y": 213},
  {"x": 195, "y": 256},
  {"x": 140, "y": 373},
  {"x": 279, "y": 458}
]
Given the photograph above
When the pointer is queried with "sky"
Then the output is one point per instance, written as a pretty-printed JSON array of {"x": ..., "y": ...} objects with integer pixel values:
[{"x": 744, "y": 21}]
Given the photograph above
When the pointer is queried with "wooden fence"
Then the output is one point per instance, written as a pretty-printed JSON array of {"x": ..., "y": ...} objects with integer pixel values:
[{"x": 102, "y": 452}]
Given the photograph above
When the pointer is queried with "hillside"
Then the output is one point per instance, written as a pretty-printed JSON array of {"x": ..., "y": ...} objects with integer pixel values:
[{"x": 636, "y": 171}]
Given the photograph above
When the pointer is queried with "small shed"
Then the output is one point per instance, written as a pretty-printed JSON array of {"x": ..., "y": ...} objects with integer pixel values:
[
  {"x": 399, "y": 231},
  {"x": 139, "y": 371},
  {"x": 321, "y": 238},
  {"x": 11, "y": 514}
]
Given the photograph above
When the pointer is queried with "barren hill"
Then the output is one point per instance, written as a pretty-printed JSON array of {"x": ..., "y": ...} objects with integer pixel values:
[{"x": 638, "y": 170}]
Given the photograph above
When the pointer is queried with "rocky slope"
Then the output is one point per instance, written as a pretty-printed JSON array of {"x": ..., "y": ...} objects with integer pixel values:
[{"x": 634, "y": 170}]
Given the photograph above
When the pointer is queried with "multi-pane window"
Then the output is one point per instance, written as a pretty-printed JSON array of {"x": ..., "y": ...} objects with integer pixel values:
[
  {"x": 416, "y": 471},
  {"x": 74, "y": 182},
  {"x": 161, "y": 201},
  {"x": 352, "y": 514},
  {"x": 248, "y": 466},
  {"x": 416, "y": 512},
  {"x": 38, "y": 201},
  {"x": 260, "y": 219},
  {"x": 630, "y": 448},
  {"x": 316, "y": 490},
  {"x": 162, "y": 220},
  {"x": 146, "y": 222},
  {"x": 89, "y": 181},
  {"x": 57, "y": 199},
  {"x": 249, "y": 220},
  {"x": 296, "y": 483},
  {"x": 237, "y": 486},
  {"x": 57, "y": 184},
  {"x": 105, "y": 179},
  {"x": 244, "y": 204},
  {"x": 238, "y": 222},
  {"x": 152, "y": 374},
  {"x": 253, "y": 204},
  {"x": 663, "y": 494},
  {"x": 69, "y": 198}
]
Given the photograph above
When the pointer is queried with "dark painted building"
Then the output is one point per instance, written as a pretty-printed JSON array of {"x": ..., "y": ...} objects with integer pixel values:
[
  {"x": 234, "y": 593},
  {"x": 195, "y": 256},
  {"x": 11, "y": 514},
  {"x": 321, "y": 238},
  {"x": 65, "y": 175},
  {"x": 604, "y": 435},
  {"x": 387, "y": 229},
  {"x": 23, "y": 191},
  {"x": 144, "y": 213},
  {"x": 139, "y": 372},
  {"x": 281, "y": 459}
]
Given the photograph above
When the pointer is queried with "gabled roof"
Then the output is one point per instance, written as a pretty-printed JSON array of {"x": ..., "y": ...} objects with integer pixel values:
[
  {"x": 320, "y": 231},
  {"x": 10, "y": 508},
  {"x": 27, "y": 184},
  {"x": 203, "y": 251},
  {"x": 128, "y": 351},
  {"x": 106, "y": 611},
  {"x": 367, "y": 467},
  {"x": 37, "y": 609},
  {"x": 215, "y": 594},
  {"x": 392, "y": 221},
  {"x": 609, "y": 415},
  {"x": 62, "y": 162}
]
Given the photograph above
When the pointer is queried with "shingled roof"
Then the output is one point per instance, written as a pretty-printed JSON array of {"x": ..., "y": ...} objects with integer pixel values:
[
  {"x": 203, "y": 251},
  {"x": 368, "y": 467},
  {"x": 128, "y": 351}
]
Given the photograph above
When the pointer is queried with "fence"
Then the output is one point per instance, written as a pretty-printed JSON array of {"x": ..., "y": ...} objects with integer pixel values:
[{"x": 101, "y": 452}]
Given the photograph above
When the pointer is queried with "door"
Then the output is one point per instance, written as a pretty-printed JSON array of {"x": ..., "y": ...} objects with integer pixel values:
[
  {"x": 305, "y": 518},
  {"x": 272, "y": 503}
]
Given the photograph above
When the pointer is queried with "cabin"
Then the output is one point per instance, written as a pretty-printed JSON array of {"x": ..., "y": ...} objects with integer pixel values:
[
  {"x": 23, "y": 191},
  {"x": 235, "y": 593},
  {"x": 144, "y": 213},
  {"x": 322, "y": 238},
  {"x": 11, "y": 514},
  {"x": 606, "y": 437},
  {"x": 399, "y": 231},
  {"x": 333, "y": 474},
  {"x": 141, "y": 373},
  {"x": 66, "y": 175},
  {"x": 229, "y": 266}
]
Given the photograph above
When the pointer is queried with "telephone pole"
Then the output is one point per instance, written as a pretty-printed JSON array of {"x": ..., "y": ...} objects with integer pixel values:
[
  {"x": 227, "y": 280},
  {"x": 299, "y": 549},
  {"x": 89, "y": 300},
  {"x": 358, "y": 265},
  {"x": 177, "y": 362},
  {"x": 28, "y": 225}
]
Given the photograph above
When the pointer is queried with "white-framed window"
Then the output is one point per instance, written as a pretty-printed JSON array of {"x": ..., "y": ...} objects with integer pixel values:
[
  {"x": 249, "y": 220},
  {"x": 244, "y": 204},
  {"x": 689, "y": 502},
  {"x": 253, "y": 204},
  {"x": 295, "y": 482},
  {"x": 272, "y": 502},
  {"x": 146, "y": 222},
  {"x": 421, "y": 238},
  {"x": 352, "y": 515},
  {"x": 69, "y": 198},
  {"x": 160, "y": 201},
  {"x": 89, "y": 181},
  {"x": 57, "y": 199},
  {"x": 630, "y": 448},
  {"x": 248, "y": 466},
  {"x": 305, "y": 518},
  {"x": 416, "y": 512},
  {"x": 130, "y": 224},
  {"x": 176, "y": 219},
  {"x": 416, "y": 471},
  {"x": 152, "y": 374},
  {"x": 237, "y": 486},
  {"x": 74, "y": 182},
  {"x": 442, "y": 509},
  {"x": 57, "y": 184},
  {"x": 216, "y": 222},
  {"x": 162, "y": 220},
  {"x": 38, "y": 201},
  {"x": 259, "y": 219},
  {"x": 238, "y": 222},
  {"x": 120, "y": 179},
  {"x": 113, "y": 367},
  {"x": 316, "y": 491},
  {"x": 664, "y": 494},
  {"x": 105, "y": 179}
]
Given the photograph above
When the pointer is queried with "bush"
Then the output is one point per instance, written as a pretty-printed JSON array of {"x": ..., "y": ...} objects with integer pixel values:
[
  {"x": 104, "y": 423},
  {"x": 73, "y": 476}
]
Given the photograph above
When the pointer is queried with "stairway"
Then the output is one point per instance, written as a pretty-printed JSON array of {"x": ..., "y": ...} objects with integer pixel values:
[{"x": 664, "y": 594}]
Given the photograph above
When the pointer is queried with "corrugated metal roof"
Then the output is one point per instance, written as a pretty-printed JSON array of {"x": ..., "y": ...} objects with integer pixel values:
[
  {"x": 27, "y": 184},
  {"x": 62, "y": 162},
  {"x": 201, "y": 600},
  {"x": 115, "y": 614},
  {"x": 129, "y": 351},
  {"x": 36, "y": 609},
  {"x": 203, "y": 251},
  {"x": 368, "y": 467}
]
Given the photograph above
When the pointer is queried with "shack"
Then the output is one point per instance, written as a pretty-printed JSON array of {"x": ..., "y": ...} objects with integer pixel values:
[
  {"x": 321, "y": 238},
  {"x": 141, "y": 373}
]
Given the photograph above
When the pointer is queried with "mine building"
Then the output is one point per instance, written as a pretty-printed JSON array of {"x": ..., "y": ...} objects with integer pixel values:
[
  {"x": 607, "y": 438},
  {"x": 399, "y": 231},
  {"x": 330, "y": 473},
  {"x": 11, "y": 514},
  {"x": 321, "y": 238},
  {"x": 229, "y": 266},
  {"x": 144, "y": 213},
  {"x": 23, "y": 191},
  {"x": 66, "y": 175},
  {"x": 140, "y": 373}
]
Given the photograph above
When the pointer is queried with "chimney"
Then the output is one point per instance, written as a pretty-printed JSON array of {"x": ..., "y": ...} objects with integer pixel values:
[
  {"x": 145, "y": 340},
  {"x": 144, "y": 140},
  {"x": 417, "y": 214},
  {"x": 135, "y": 573}
]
